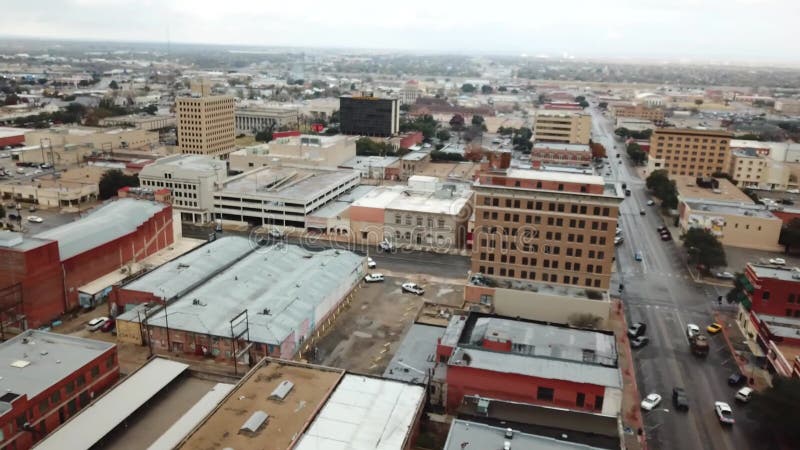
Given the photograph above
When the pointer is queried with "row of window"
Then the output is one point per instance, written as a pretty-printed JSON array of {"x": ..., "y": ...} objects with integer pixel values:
[
  {"x": 690, "y": 139},
  {"x": 546, "y": 394},
  {"x": 512, "y": 259},
  {"x": 418, "y": 220},
  {"x": 546, "y": 277},
  {"x": 549, "y": 206}
]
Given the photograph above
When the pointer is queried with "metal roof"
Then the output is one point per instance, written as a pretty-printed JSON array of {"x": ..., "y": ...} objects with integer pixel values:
[
  {"x": 183, "y": 426},
  {"x": 416, "y": 355},
  {"x": 94, "y": 422},
  {"x": 255, "y": 421},
  {"x": 50, "y": 356},
  {"x": 365, "y": 413},
  {"x": 111, "y": 221},
  {"x": 481, "y": 436}
]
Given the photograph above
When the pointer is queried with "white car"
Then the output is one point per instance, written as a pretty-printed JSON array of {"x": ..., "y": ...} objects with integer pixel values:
[
  {"x": 386, "y": 246},
  {"x": 619, "y": 231},
  {"x": 275, "y": 233},
  {"x": 373, "y": 278},
  {"x": 778, "y": 261},
  {"x": 692, "y": 330},
  {"x": 371, "y": 263},
  {"x": 724, "y": 413},
  {"x": 413, "y": 288},
  {"x": 96, "y": 323},
  {"x": 650, "y": 203},
  {"x": 618, "y": 240},
  {"x": 35, "y": 219},
  {"x": 651, "y": 401},
  {"x": 793, "y": 191},
  {"x": 724, "y": 275}
]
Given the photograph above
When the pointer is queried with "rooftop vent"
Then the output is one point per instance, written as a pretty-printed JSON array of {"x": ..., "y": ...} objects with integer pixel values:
[
  {"x": 282, "y": 390},
  {"x": 20, "y": 364},
  {"x": 255, "y": 422}
]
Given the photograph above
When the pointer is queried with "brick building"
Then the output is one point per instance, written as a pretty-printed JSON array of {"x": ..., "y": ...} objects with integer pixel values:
[
  {"x": 40, "y": 276},
  {"x": 47, "y": 378},
  {"x": 689, "y": 151},
  {"x": 529, "y": 362},
  {"x": 556, "y": 153}
]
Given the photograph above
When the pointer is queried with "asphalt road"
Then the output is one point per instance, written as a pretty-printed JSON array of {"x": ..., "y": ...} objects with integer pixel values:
[{"x": 659, "y": 292}]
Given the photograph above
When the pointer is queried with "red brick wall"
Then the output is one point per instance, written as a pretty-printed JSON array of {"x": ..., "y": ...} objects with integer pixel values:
[
  {"x": 502, "y": 180},
  {"x": 38, "y": 270},
  {"x": 777, "y": 303},
  {"x": 463, "y": 380}
]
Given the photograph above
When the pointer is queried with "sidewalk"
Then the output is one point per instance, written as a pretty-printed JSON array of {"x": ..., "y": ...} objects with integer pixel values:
[
  {"x": 631, "y": 414},
  {"x": 758, "y": 378}
]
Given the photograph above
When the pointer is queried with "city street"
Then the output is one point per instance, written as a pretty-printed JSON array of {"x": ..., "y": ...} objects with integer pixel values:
[{"x": 659, "y": 292}]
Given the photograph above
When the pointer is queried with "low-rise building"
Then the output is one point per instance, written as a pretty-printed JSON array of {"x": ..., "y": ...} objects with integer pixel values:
[
  {"x": 689, "y": 151},
  {"x": 374, "y": 167},
  {"x": 484, "y": 436},
  {"x": 71, "y": 190},
  {"x": 633, "y": 124},
  {"x": 140, "y": 121},
  {"x": 556, "y": 153},
  {"x": 733, "y": 223},
  {"x": 250, "y": 120},
  {"x": 788, "y": 107},
  {"x": 413, "y": 163},
  {"x": 308, "y": 150},
  {"x": 68, "y": 145},
  {"x": 750, "y": 169},
  {"x": 46, "y": 379},
  {"x": 637, "y": 112}
]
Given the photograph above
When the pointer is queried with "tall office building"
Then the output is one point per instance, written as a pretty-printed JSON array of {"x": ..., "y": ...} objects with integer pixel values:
[
  {"x": 369, "y": 116},
  {"x": 689, "y": 151},
  {"x": 545, "y": 227},
  {"x": 568, "y": 127},
  {"x": 206, "y": 125}
]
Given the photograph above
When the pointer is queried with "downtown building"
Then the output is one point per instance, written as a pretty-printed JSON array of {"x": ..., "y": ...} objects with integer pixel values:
[
  {"x": 689, "y": 151},
  {"x": 369, "y": 116},
  {"x": 567, "y": 127},
  {"x": 206, "y": 125}
]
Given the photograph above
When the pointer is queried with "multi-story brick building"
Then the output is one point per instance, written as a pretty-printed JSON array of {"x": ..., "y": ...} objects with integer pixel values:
[
  {"x": 567, "y": 127},
  {"x": 48, "y": 378},
  {"x": 638, "y": 112},
  {"x": 206, "y": 125},
  {"x": 544, "y": 153},
  {"x": 689, "y": 151}
]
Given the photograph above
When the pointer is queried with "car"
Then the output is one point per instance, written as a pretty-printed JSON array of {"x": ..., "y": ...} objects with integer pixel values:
[
  {"x": 651, "y": 401},
  {"x": 618, "y": 232},
  {"x": 662, "y": 229},
  {"x": 638, "y": 256},
  {"x": 96, "y": 323},
  {"x": 373, "y": 278},
  {"x": 642, "y": 212},
  {"x": 275, "y": 233},
  {"x": 736, "y": 379},
  {"x": 714, "y": 328},
  {"x": 108, "y": 325},
  {"x": 637, "y": 329},
  {"x": 679, "y": 399},
  {"x": 793, "y": 191},
  {"x": 692, "y": 330},
  {"x": 639, "y": 342},
  {"x": 627, "y": 192},
  {"x": 744, "y": 394},
  {"x": 618, "y": 155},
  {"x": 724, "y": 275},
  {"x": 386, "y": 246},
  {"x": 35, "y": 219},
  {"x": 724, "y": 413},
  {"x": 786, "y": 201},
  {"x": 412, "y": 288},
  {"x": 620, "y": 161},
  {"x": 624, "y": 186},
  {"x": 650, "y": 203},
  {"x": 21, "y": 171},
  {"x": 666, "y": 237},
  {"x": 778, "y": 261},
  {"x": 32, "y": 208},
  {"x": 371, "y": 263},
  {"x": 608, "y": 174},
  {"x": 618, "y": 240}
]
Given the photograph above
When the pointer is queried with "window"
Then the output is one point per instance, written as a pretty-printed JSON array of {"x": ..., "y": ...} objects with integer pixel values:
[
  {"x": 81, "y": 380},
  {"x": 55, "y": 397},
  {"x": 71, "y": 385},
  {"x": 598, "y": 403},
  {"x": 791, "y": 298},
  {"x": 95, "y": 372},
  {"x": 544, "y": 394},
  {"x": 765, "y": 295},
  {"x": 419, "y": 221},
  {"x": 43, "y": 406}
]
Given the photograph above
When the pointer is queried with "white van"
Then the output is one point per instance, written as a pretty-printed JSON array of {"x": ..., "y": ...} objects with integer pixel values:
[{"x": 744, "y": 394}]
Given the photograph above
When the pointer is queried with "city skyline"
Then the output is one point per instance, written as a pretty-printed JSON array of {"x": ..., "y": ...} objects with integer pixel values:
[{"x": 650, "y": 30}]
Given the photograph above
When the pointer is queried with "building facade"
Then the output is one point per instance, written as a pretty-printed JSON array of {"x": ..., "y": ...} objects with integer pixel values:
[
  {"x": 48, "y": 378},
  {"x": 638, "y": 112},
  {"x": 687, "y": 151},
  {"x": 734, "y": 223},
  {"x": 555, "y": 153},
  {"x": 254, "y": 119},
  {"x": 562, "y": 126},
  {"x": 306, "y": 150},
  {"x": 140, "y": 121},
  {"x": 369, "y": 116},
  {"x": 206, "y": 125},
  {"x": 545, "y": 226}
]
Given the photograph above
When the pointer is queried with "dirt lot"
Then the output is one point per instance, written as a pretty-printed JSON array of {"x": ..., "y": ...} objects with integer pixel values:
[{"x": 363, "y": 338}]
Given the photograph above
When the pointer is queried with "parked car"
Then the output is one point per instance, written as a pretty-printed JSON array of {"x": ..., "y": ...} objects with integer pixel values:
[
  {"x": 412, "y": 288},
  {"x": 637, "y": 329},
  {"x": 714, "y": 328},
  {"x": 639, "y": 342},
  {"x": 371, "y": 263},
  {"x": 275, "y": 233},
  {"x": 778, "y": 261},
  {"x": 666, "y": 237},
  {"x": 627, "y": 192},
  {"x": 35, "y": 219},
  {"x": 662, "y": 229},
  {"x": 744, "y": 394},
  {"x": 32, "y": 208},
  {"x": 793, "y": 191},
  {"x": 109, "y": 325},
  {"x": 692, "y": 330},
  {"x": 638, "y": 256},
  {"x": 618, "y": 240},
  {"x": 724, "y": 275},
  {"x": 650, "y": 203},
  {"x": 642, "y": 212},
  {"x": 96, "y": 323},
  {"x": 736, "y": 379},
  {"x": 651, "y": 401},
  {"x": 386, "y": 246},
  {"x": 619, "y": 231},
  {"x": 724, "y": 413},
  {"x": 679, "y": 399},
  {"x": 374, "y": 278}
]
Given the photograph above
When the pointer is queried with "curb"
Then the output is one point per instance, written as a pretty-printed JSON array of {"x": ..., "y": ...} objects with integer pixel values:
[
  {"x": 734, "y": 353},
  {"x": 636, "y": 392}
]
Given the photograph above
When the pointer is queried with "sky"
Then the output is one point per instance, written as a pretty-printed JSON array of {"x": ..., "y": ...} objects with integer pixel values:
[{"x": 721, "y": 30}]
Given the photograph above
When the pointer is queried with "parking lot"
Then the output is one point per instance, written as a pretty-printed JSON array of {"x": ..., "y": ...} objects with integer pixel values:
[
  {"x": 365, "y": 336},
  {"x": 51, "y": 218}
]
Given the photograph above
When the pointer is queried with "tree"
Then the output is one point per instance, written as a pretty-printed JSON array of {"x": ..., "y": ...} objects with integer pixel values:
[
  {"x": 151, "y": 109},
  {"x": 637, "y": 155},
  {"x": 457, "y": 122},
  {"x": 737, "y": 293},
  {"x": 583, "y": 104},
  {"x": 113, "y": 180},
  {"x": 486, "y": 89},
  {"x": 264, "y": 136},
  {"x": 426, "y": 124},
  {"x": 2, "y": 212},
  {"x": 367, "y": 147},
  {"x": 502, "y": 89},
  {"x": 352, "y": 86},
  {"x": 602, "y": 105},
  {"x": 776, "y": 408},
  {"x": 437, "y": 155},
  {"x": 113, "y": 85},
  {"x": 467, "y": 88},
  {"x": 704, "y": 248},
  {"x": 443, "y": 135},
  {"x": 790, "y": 235},
  {"x": 698, "y": 101},
  {"x": 663, "y": 188},
  {"x": 478, "y": 120}
]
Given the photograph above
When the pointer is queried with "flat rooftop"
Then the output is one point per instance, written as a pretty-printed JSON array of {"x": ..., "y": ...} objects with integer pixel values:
[
  {"x": 42, "y": 359},
  {"x": 339, "y": 206},
  {"x": 730, "y": 208},
  {"x": 540, "y": 287},
  {"x": 415, "y": 156},
  {"x": 6, "y": 132},
  {"x": 288, "y": 417},
  {"x": 183, "y": 273},
  {"x": 440, "y": 202},
  {"x": 290, "y": 183},
  {"x": 380, "y": 197},
  {"x": 282, "y": 286},
  {"x": 111, "y": 221},
  {"x": 416, "y": 355},
  {"x": 482, "y": 436},
  {"x": 199, "y": 163},
  {"x": 693, "y": 132},
  {"x": 727, "y": 191},
  {"x": 785, "y": 327},
  {"x": 365, "y": 413},
  {"x": 529, "y": 174},
  {"x": 366, "y": 162},
  {"x": 559, "y": 146},
  {"x": 777, "y": 272}
]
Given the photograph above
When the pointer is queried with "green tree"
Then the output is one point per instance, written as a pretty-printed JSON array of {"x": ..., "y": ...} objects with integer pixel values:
[
  {"x": 113, "y": 85},
  {"x": 426, "y": 124},
  {"x": 437, "y": 155},
  {"x": 468, "y": 88},
  {"x": 698, "y": 101},
  {"x": 790, "y": 235},
  {"x": 457, "y": 122},
  {"x": 737, "y": 292},
  {"x": 443, "y": 135},
  {"x": 583, "y": 104},
  {"x": 637, "y": 155},
  {"x": 264, "y": 136},
  {"x": 704, "y": 248},
  {"x": 114, "y": 179},
  {"x": 663, "y": 188},
  {"x": 367, "y": 147},
  {"x": 776, "y": 408},
  {"x": 486, "y": 89},
  {"x": 478, "y": 120},
  {"x": 151, "y": 109},
  {"x": 502, "y": 89}
]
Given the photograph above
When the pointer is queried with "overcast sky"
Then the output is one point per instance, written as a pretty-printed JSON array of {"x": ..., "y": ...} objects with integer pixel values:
[{"x": 740, "y": 30}]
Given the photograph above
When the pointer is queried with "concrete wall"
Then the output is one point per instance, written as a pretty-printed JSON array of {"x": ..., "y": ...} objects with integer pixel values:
[{"x": 757, "y": 233}]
